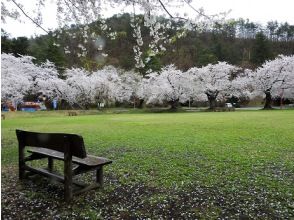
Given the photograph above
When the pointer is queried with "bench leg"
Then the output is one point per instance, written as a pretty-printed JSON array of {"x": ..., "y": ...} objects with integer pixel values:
[
  {"x": 67, "y": 179},
  {"x": 99, "y": 176},
  {"x": 21, "y": 170},
  {"x": 50, "y": 164},
  {"x": 21, "y": 162},
  {"x": 67, "y": 188}
]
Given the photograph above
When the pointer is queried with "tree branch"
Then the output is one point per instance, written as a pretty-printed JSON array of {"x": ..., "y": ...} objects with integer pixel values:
[
  {"x": 25, "y": 14},
  {"x": 199, "y": 12},
  {"x": 165, "y": 9}
]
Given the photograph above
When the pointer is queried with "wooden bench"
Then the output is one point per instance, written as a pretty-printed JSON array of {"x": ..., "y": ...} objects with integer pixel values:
[
  {"x": 72, "y": 113},
  {"x": 66, "y": 147},
  {"x": 224, "y": 109}
]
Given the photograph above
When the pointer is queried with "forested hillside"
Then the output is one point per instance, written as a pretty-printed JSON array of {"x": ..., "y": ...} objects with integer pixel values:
[{"x": 239, "y": 42}]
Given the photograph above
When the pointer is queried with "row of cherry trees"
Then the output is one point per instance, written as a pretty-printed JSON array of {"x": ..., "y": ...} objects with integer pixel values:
[{"x": 20, "y": 77}]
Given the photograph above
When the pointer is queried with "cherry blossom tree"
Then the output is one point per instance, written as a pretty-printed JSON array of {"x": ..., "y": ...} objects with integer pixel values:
[
  {"x": 43, "y": 77},
  {"x": 21, "y": 77},
  {"x": 81, "y": 87},
  {"x": 14, "y": 82},
  {"x": 128, "y": 87},
  {"x": 167, "y": 86},
  {"x": 241, "y": 86},
  {"x": 59, "y": 89},
  {"x": 214, "y": 80},
  {"x": 86, "y": 88},
  {"x": 106, "y": 82},
  {"x": 274, "y": 78},
  {"x": 193, "y": 86}
]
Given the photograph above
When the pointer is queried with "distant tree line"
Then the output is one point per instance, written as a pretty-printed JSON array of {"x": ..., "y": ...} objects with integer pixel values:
[
  {"x": 21, "y": 80},
  {"x": 246, "y": 29},
  {"x": 238, "y": 42}
]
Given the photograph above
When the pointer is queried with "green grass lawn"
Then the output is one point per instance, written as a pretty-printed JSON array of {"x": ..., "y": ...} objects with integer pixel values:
[{"x": 183, "y": 165}]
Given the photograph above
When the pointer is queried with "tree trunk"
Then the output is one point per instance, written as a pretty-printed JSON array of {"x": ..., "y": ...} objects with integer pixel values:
[
  {"x": 268, "y": 100},
  {"x": 212, "y": 101},
  {"x": 211, "y": 96},
  {"x": 173, "y": 104},
  {"x": 141, "y": 101}
]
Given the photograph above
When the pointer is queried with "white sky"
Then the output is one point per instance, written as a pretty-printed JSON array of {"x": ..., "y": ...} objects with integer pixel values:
[{"x": 259, "y": 11}]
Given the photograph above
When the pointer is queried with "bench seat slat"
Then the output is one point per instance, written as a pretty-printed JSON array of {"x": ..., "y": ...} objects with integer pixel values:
[
  {"x": 88, "y": 161},
  {"x": 51, "y": 175}
]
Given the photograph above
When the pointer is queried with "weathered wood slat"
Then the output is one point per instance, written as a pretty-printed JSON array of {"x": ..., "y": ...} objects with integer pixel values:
[
  {"x": 45, "y": 173},
  {"x": 88, "y": 161},
  {"x": 87, "y": 188},
  {"x": 53, "y": 141},
  {"x": 52, "y": 176},
  {"x": 34, "y": 157},
  {"x": 80, "y": 169}
]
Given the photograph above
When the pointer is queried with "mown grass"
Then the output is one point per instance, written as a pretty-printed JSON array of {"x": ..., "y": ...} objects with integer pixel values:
[{"x": 238, "y": 163}]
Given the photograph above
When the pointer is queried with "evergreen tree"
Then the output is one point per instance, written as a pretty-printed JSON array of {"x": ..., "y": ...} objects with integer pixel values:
[
  {"x": 261, "y": 49},
  {"x": 43, "y": 48},
  {"x": 154, "y": 64},
  {"x": 6, "y": 43},
  {"x": 55, "y": 55},
  {"x": 17, "y": 46},
  {"x": 20, "y": 46}
]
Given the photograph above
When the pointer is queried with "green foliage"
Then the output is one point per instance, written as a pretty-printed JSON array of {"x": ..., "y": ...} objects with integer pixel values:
[
  {"x": 218, "y": 51},
  {"x": 6, "y": 42},
  {"x": 153, "y": 64},
  {"x": 43, "y": 48},
  {"x": 20, "y": 45},
  {"x": 206, "y": 57},
  {"x": 261, "y": 49},
  {"x": 55, "y": 55},
  {"x": 16, "y": 46}
]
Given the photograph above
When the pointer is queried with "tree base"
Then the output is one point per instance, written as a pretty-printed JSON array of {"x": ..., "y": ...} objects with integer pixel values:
[
  {"x": 267, "y": 108},
  {"x": 173, "y": 109}
]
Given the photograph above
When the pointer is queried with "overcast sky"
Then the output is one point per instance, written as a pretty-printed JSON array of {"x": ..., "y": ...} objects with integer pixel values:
[{"x": 259, "y": 11}]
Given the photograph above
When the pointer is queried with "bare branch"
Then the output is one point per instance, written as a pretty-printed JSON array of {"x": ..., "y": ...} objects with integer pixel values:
[
  {"x": 199, "y": 12},
  {"x": 25, "y": 14},
  {"x": 165, "y": 9}
]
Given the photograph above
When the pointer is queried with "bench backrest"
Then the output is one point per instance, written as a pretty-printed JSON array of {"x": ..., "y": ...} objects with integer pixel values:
[{"x": 53, "y": 141}]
